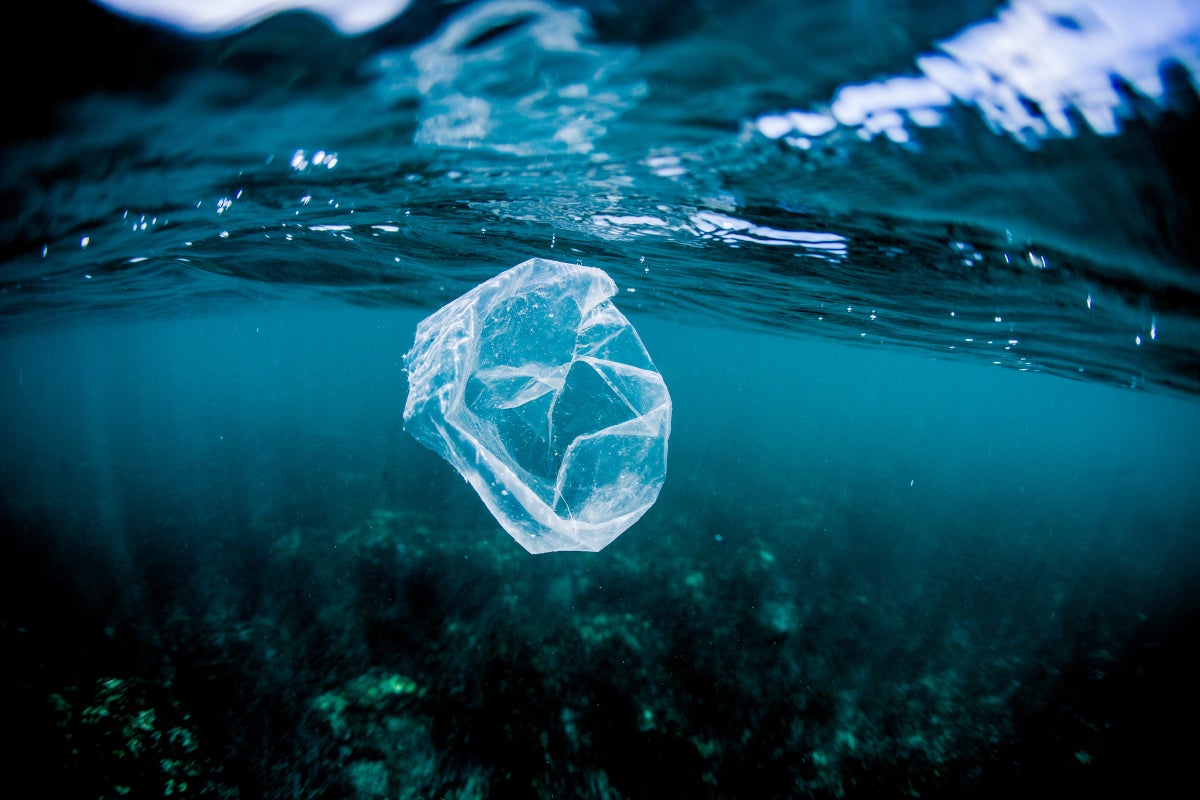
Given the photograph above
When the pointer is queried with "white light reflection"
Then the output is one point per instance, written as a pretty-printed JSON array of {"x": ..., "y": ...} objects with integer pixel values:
[
  {"x": 666, "y": 166},
  {"x": 630, "y": 221},
  {"x": 1055, "y": 56},
  {"x": 724, "y": 228},
  {"x": 300, "y": 161},
  {"x": 731, "y": 229},
  {"x": 222, "y": 16}
]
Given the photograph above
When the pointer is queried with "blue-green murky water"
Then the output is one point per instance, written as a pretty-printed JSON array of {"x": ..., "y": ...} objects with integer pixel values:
[{"x": 929, "y": 523}]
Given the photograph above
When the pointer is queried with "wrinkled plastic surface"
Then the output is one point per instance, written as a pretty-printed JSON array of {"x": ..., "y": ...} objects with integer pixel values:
[{"x": 542, "y": 395}]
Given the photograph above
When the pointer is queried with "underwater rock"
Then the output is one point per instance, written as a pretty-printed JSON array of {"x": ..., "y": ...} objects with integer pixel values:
[{"x": 541, "y": 394}]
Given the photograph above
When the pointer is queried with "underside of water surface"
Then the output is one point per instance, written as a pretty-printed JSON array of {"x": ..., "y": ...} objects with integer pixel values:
[{"x": 921, "y": 279}]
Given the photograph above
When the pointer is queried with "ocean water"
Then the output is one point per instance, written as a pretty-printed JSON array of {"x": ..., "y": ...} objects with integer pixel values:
[{"x": 921, "y": 279}]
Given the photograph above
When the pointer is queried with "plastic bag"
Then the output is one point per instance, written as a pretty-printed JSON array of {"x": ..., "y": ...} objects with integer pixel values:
[{"x": 541, "y": 394}]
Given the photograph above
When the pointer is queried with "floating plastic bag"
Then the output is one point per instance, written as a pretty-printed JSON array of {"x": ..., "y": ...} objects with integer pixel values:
[{"x": 541, "y": 394}]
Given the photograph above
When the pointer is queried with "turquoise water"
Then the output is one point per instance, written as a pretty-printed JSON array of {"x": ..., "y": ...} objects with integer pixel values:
[{"x": 929, "y": 522}]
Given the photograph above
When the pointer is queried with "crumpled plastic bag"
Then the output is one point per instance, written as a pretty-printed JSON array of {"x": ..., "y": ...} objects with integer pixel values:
[{"x": 541, "y": 394}]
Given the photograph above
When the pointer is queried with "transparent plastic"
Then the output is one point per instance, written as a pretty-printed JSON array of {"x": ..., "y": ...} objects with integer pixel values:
[{"x": 541, "y": 394}]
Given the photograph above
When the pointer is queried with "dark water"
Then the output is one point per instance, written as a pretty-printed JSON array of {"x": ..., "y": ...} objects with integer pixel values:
[{"x": 929, "y": 524}]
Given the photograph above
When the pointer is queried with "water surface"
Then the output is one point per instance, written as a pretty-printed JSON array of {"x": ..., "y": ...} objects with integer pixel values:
[{"x": 929, "y": 519}]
